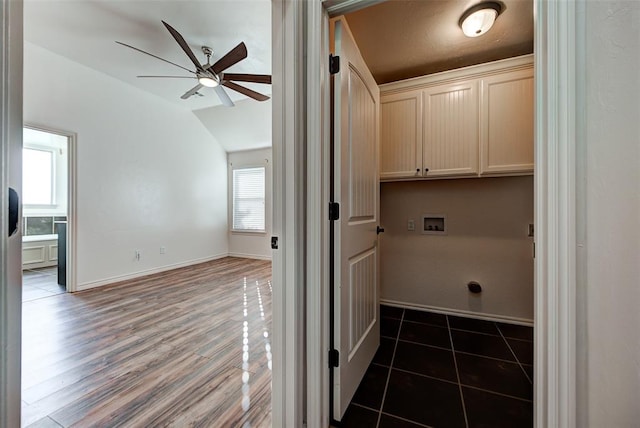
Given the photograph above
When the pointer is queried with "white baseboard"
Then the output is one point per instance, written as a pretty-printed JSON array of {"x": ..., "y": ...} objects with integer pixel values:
[
  {"x": 459, "y": 312},
  {"x": 120, "y": 278},
  {"x": 250, "y": 256}
]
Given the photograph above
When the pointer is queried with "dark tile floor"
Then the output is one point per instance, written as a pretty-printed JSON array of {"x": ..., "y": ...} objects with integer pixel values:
[
  {"x": 435, "y": 370},
  {"x": 39, "y": 283}
]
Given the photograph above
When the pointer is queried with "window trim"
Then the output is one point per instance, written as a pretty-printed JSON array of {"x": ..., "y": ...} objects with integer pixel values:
[{"x": 233, "y": 230}]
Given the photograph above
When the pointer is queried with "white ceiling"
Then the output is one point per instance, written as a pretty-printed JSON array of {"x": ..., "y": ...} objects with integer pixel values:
[
  {"x": 392, "y": 37},
  {"x": 250, "y": 129},
  {"x": 85, "y": 31}
]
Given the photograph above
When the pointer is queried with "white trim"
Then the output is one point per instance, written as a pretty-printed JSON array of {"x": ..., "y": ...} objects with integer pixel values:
[
  {"x": 250, "y": 256},
  {"x": 341, "y": 7},
  {"x": 317, "y": 328},
  {"x": 129, "y": 276},
  {"x": 288, "y": 222},
  {"x": 459, "y": 312},
  {"x": 555, "y": 216},
  {"x": 556, "y": 23},
  {"x": 473, "y": 72},
  {"x": 11, "y": 45}
]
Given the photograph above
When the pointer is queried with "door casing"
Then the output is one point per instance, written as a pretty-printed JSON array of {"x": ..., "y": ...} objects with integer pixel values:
[
  {"x": 71, "y": 200},
  {"x": 558, "y": 49},
  {"x": 298, "y": 25}
]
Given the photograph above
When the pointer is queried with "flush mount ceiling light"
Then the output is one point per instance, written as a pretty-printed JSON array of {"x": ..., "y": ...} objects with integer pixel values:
[{"x": 480, "y": 18}]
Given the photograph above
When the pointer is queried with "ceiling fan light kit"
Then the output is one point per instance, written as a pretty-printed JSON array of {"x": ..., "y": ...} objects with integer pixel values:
[
  {"x": 208, "y": 82},
  {"x": 479, "y": 19},
  {"x": 211, "y": 75}
]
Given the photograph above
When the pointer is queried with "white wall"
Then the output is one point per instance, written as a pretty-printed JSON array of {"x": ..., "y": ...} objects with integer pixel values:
[
  {"x": 149, "y": 174},
  {"x": 609, "y": 259},
  {"x": 252, "y": 245},
  {"x": 486, "y": 241}
]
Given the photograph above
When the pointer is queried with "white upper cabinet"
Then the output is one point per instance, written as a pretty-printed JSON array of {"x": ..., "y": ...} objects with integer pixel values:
[
  {"x": 474, "y": 121},
  {"x": 401, "y": 134},
  {"x": 506, "y": 123},
  {"x": 450, "y": 133}
]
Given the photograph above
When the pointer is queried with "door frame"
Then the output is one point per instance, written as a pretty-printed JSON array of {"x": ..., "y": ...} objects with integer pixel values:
[
  {"x": 72, "y": 175},
  {"x": 559, "y": 83},
  {"x": 10, "y": 252},
  {"x": 299, "y": 128}
]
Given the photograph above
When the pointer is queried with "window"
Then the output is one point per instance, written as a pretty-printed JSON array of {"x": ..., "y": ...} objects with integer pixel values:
[
  {"x": 248, "y": 199},
  {"x": 37, "y": 177}
]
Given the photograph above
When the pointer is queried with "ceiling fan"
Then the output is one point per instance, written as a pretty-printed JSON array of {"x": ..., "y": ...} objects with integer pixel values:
[{"x": 213, "y": 75}]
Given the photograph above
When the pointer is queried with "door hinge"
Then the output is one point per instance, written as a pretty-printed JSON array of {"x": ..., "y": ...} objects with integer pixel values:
[
  {"x": 334, "y": 358},
  {"x": 334, "y": 211},
  {"x": 274, "y": 242},
  {"x": 334, "y": 64}
]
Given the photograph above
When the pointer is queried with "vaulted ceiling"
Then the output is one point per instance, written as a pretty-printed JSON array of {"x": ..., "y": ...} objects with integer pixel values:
[
  {"x": 398, "y": 39},
  {"x": 85, "y": 32}
]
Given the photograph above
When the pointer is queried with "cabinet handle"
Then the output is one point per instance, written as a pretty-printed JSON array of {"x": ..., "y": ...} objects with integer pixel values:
[
  {"x": 417, "y": 171},
  {"x": 426, "y": 170}
]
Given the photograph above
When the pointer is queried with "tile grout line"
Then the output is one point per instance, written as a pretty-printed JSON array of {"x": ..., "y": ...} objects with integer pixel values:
[
  {"x": 395, "y": 346},
  {"x": 470, "y": 331},
  {"x": 460, "y": 352},
  {"x": 515, "y": 356},
  {"x": 407, "y": 420},
  {"x": 455, "y": 363},
  {"x": 448, "y": 381}
]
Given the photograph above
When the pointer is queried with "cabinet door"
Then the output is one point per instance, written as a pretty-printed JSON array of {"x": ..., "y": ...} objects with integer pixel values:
[
  {"x": 451, "y": 130},
  {"x": 401, "y": 135},
  {"x": 506, "y": 123}
]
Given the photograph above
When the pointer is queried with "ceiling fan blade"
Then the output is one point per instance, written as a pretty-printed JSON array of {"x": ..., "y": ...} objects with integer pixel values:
[
  {"x": 245, "y": 91},
  {"x": 155, "y": 56},
  {"x": 183, "y": 44},
  {"x": 169, "y": 77},
  {"x": 233, "y": 56},
  {"x": 191, "y": 91},
  {"x": 224, "y": 97},
  {"x": 254, "y": 78}
]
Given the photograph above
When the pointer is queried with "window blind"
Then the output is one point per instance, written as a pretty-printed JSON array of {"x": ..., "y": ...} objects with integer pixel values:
[{"x": 248, "y": 199}]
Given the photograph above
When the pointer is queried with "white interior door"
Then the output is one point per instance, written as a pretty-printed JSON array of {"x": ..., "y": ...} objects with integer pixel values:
[{"x": 356, "y": 189}]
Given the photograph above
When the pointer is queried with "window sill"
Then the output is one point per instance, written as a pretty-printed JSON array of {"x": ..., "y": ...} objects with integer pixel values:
[
  {"x": 248, "y": 232},
  {"x": 34, "y": 238}
]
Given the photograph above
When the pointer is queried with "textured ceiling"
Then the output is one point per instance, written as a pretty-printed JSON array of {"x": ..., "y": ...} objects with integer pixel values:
[{"x": 400, "y": 39}]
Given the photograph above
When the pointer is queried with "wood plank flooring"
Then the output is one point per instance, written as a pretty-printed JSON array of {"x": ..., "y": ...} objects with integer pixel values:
[{"x": 185, "y": 348}]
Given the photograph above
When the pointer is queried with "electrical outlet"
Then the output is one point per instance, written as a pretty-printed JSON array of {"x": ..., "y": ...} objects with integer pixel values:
[
  {"x": 163, "y": 250},
  {"x": 137, "y": 254},
  {"x": 411, "y": 225}
]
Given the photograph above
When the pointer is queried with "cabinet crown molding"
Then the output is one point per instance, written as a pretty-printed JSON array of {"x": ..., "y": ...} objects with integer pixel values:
[{"x": 466, "y": 73}]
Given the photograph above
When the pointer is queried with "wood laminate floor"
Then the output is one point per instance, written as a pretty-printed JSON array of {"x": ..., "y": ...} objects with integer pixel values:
[{"x": 189, "y": 347}]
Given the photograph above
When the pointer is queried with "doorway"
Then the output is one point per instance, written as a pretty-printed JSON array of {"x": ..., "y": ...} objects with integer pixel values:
[
  {"x": 437, "y": 124},
  {"x": 48, "y": 207},
  {"x": 555, "y": 179}
]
